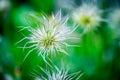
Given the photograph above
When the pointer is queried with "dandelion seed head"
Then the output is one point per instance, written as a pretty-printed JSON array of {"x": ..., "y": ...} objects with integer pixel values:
[
  {"x": 88, "y": 16},
  {"x": 59, "y": 74},
  {"x": 51, "y": 36}
]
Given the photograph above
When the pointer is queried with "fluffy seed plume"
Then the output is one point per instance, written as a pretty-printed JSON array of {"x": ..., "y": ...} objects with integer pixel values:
[
  {"x": 52, "y": 72},
  {"x": 59, "y": 74},
  {"x": 56, "y": 74},
  {"x": 88, "y": 16},
  {"x": 51, "y": 36}
]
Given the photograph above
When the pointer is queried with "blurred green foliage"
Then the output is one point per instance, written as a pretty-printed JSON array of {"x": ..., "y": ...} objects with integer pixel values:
[{"x": 98, "y": 55}]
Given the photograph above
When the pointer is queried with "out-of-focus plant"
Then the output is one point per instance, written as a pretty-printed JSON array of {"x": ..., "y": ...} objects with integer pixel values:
[
  {"x": 114, "y": 22},
  {"x": 88, "y": 15},
  {"x": 4, "y": 5}
]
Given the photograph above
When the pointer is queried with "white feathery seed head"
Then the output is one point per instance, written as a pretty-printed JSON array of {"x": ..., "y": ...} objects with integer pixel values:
[
  {"x": 58, "y": 74},
  {"x": 88, "y": 16},
  {"x": 51, "y": 37}
]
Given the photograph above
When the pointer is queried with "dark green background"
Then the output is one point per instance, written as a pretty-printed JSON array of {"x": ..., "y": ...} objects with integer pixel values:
[{"x": 98, "y": 55}]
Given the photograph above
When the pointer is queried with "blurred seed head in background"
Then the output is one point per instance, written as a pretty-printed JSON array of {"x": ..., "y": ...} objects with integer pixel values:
[
  {"x": 88, "y": 16},
  {"x": 114, "y": 21}
]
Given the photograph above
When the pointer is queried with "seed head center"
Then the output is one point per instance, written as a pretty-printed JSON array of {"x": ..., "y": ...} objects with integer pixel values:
[
  {"x": 85, "y": 20},
  {"x": 48, "y": 41}
]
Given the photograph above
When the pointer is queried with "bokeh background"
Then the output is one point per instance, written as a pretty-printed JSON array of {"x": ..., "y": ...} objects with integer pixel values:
[{"x": 98, "y": 56}]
